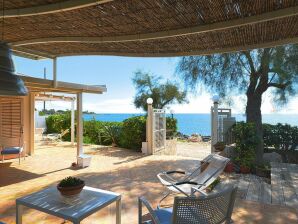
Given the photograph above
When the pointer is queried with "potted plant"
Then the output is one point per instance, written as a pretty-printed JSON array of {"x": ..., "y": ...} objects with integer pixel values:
[
  {"x": 219, "y": 146},
  {"x": 245, "y": 162},
  {"x": 70, "y": 186},
  {"x": 229, "y": 167}
]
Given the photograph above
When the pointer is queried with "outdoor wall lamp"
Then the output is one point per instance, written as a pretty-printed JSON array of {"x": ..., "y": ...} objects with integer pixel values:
[
  {"x": 215, "y": 98},
  {"x": 149, "y": 101}
]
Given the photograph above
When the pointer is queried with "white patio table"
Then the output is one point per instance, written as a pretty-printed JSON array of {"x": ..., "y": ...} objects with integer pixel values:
[{"x": 75, "y": 210}]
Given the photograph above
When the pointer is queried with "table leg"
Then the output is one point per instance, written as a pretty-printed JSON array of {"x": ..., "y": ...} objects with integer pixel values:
[
  {"x": 118, "y": 211},
  {"x": 19, "y": 214}
]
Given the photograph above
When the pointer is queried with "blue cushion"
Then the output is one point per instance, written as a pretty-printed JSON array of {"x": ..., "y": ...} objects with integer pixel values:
[
  {"x": 164, "y": 215},
  {"x": 11, "y": 150}
]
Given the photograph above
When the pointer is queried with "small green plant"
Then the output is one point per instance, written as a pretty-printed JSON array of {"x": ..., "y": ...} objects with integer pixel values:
[
  {"x": 246, "y": 142},
  {"x": 264, "y": 166},
  {"x": 213, "y": 185},
  {"x": 70, "y": 182},
  {"x": 111, "y": 133}
]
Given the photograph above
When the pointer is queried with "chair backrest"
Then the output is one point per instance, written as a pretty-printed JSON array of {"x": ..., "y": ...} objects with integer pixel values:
[
  {"x": 211, "y": 209},
  {"x": 215, "y": 167}
]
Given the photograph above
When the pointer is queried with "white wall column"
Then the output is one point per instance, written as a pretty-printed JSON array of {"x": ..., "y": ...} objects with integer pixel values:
[
  {"x": 149, "y": 131},
  {"x": 79, "y": 124},
  {"x": 72, "y": 124},
  {"x": 32, "y": 123},
  {"x": 55, "y": 72},
  {"x": 214, "y": 111}
]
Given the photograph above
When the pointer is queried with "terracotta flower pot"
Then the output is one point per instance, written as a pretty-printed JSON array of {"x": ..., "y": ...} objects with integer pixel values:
[
  {"x": 244, "y": 169},
  {"x": 229, "y": 168},
  {"x": 71, "y": 191}
]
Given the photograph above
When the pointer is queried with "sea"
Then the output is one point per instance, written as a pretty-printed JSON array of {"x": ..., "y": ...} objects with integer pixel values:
[{"x": 198, "y": 123}]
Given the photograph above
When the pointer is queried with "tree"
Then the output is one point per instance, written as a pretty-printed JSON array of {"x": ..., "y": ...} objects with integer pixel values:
[
  {"x": 162, "y": 93},
  {"x": 252, "y": 72}
]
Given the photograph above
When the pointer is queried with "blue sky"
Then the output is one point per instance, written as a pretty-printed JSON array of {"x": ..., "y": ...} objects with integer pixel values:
[{"x": 116, "y": 74}]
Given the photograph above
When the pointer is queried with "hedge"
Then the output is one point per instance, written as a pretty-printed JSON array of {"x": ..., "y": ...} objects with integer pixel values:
[
  {"x": 280, "y": 136},
  {"x": 133, "y": 133},
  {"x": 127, "y": 134},
  {"x": 57, "y": 123}
]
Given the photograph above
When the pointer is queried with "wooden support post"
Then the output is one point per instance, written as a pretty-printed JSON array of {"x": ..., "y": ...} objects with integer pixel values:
[
  {"x": 79, "y": 124},
  {"x": 55, "y": 72},
  {"x": 32, "y": 123},
  {"x": 72, "y": 126}
]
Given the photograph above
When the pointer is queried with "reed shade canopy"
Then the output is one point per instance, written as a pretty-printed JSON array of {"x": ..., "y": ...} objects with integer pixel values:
[
  {"x": 51, "y": 28},
  {"x": 10, "y": 84}
]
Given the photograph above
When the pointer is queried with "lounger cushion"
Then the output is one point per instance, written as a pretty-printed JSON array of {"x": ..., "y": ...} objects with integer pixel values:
[
  {"x": 11, "y": 150},
  {"x": 164, "y": 215}
]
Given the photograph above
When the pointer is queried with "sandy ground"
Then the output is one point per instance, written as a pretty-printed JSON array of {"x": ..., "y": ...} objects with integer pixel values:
[{"x": 197, "y": 150}]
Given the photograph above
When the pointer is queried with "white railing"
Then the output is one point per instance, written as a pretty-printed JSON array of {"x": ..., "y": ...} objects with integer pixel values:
[{"x": 159, "y": 130}]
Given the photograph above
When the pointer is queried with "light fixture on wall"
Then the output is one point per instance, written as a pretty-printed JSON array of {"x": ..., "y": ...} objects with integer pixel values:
[{"x": 10, "y": 83}]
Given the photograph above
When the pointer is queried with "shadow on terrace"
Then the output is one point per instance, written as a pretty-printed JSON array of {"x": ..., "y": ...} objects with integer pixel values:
[{"x": 122, "y": 171}]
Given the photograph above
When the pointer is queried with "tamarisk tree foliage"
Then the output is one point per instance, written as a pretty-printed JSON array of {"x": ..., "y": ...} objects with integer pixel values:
[
  {"x": 251, "y": 72},
  {"x": 150, "y": 86}
]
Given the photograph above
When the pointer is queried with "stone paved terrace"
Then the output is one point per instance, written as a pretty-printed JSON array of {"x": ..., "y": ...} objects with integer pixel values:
[{"x": 119, "y": 170}]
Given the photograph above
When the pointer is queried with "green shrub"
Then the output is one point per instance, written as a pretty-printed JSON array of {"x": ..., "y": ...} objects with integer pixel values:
[
  {"x": 133, "y": 133},
  {"x": 171, "y": 124},
  {"x": 92, "y": 132},
  {"x": 127, "y": 134},
  {"x": 280, "y": 136},
  {"x": 101, "y": 132},
  {"x": 111, "y": 133},
  {"x": 246, "y": 141},
  {"x": 58, "y": 123}
]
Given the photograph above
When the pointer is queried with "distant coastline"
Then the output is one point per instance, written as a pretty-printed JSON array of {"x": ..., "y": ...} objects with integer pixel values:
[{"x": 196, "y": 123}]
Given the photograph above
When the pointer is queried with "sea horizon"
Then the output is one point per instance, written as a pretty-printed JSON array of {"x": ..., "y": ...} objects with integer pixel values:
[{"x": 196, "y": 123}]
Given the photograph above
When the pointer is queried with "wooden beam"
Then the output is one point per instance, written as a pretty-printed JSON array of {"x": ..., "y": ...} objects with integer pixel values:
[
  {"x": 27, "y": 53},
  {"x": 47, "y": 85},
  {"x": 52, "y": 8},
  {"x": 195, "y": 52},
  {"x": 51, "y": 97},
  {"x": 291, "y": 11}
]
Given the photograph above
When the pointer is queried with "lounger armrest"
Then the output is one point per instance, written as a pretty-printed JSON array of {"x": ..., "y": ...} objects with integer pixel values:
[
  {"x": 195, "y": 189},
  {"x": 143, "y": 201},
  {"x": 188, "y": 182},
  {"x": 175, "y": 171}
]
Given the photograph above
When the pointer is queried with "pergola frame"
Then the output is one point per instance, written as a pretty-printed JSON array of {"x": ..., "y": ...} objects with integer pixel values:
[
  {"x": 52, "y": 8},
  {"x": 169, "y": 33},
  {"x": 50, "y": 97},
  {"x": 37, "y": 88},
  {"x": 141, "y": 28},
  {"x": 241, "y": 18}
]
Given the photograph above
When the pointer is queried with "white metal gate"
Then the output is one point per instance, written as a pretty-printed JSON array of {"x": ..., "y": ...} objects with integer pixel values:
[{"x": 159, "y": 130}]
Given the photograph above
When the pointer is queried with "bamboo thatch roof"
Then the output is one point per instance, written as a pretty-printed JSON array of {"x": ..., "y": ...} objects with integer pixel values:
[{"x": 51, "y": 28}]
